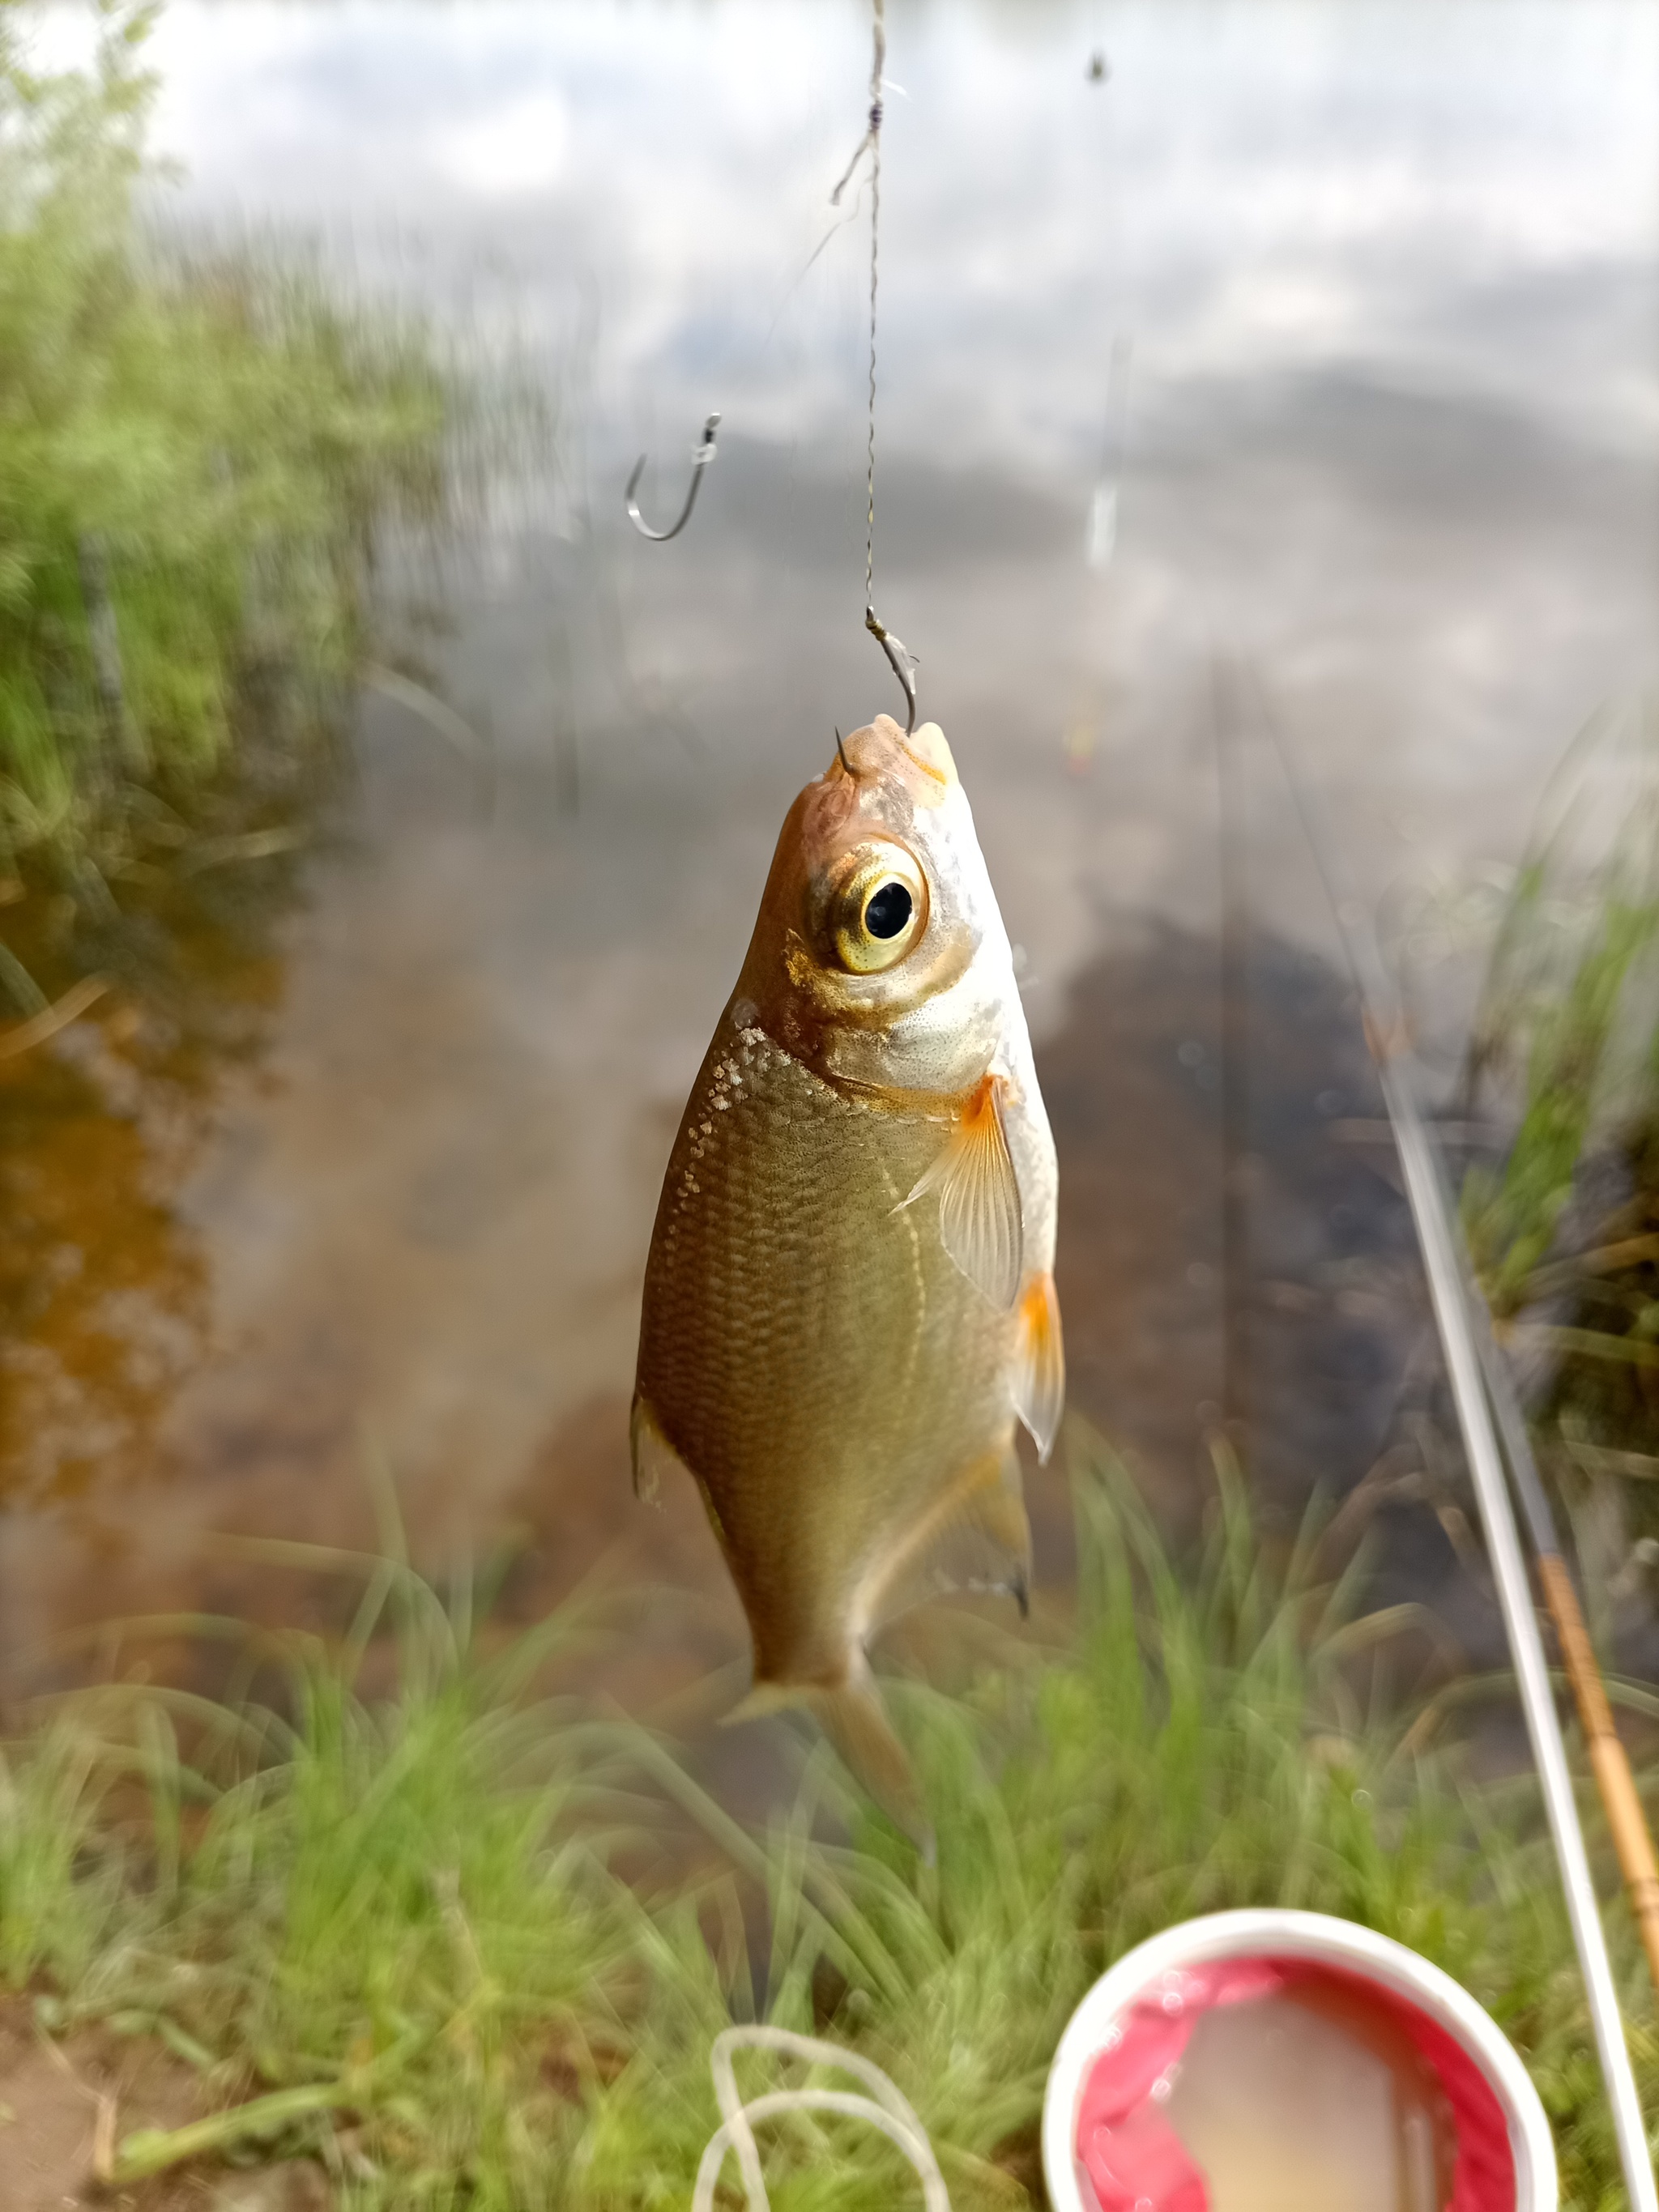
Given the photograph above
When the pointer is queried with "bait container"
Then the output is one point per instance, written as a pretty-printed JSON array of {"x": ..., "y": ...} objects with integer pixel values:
[{"x": 1281, "y": 2060}]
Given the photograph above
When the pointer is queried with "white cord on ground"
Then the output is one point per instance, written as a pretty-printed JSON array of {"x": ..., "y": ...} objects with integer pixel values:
[{"x": 886, "y": 2109}]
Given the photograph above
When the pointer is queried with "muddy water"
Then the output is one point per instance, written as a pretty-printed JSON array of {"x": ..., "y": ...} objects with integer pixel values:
[{"x": 1313, "y": 351}]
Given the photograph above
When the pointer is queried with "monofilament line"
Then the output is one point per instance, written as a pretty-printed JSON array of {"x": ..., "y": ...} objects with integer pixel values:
[
  {"x": 877, "y": 68},
  {"x": 900, "y": 659},
  {"x": 870, "y": 143}
]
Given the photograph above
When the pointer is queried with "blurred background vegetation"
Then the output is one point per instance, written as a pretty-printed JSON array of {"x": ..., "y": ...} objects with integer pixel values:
[{"x": 198, "y": 452}]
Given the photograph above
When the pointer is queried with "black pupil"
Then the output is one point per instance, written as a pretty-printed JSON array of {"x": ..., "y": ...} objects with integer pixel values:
[{"x": 888, "y": 911}]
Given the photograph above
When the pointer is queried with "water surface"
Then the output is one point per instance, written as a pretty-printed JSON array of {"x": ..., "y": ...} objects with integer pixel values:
[{"x": 1312, "y": 357}]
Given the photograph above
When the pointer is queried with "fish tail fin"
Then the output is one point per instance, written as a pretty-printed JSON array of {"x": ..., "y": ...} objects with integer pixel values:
[
  {"x": 855, "y": 1721},
  {"x": 763, "y": 1700},
  {"x": 851, "y": 1714}
]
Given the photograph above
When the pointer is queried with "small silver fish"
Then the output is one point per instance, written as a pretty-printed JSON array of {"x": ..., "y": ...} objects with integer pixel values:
[{"x": 849, "y": 1299}]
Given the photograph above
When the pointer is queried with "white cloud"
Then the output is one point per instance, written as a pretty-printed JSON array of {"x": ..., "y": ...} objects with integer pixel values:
[{"x": 520, "y": 146}]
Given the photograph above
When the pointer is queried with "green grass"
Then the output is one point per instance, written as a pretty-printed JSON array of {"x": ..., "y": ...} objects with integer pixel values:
[
  {"x": 1567, "y": 1026},
  {"x": 1513, "y": 1213},
  {"x": 397, "y": 1907},
  {"x": 393, "y": 1928},
  {"x": 1565, "y": 1055},
  {"x": 197, "y": 455}
]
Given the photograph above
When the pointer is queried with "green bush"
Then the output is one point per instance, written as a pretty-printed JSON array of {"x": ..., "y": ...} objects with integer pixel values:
[{"x": 195, "y": 454}]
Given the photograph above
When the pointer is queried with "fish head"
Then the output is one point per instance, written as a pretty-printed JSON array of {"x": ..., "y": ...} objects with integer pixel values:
[{"x": 879, "y": 956}]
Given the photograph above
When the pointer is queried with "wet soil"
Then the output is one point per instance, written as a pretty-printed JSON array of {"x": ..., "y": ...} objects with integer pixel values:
[{"x": 65, "y": 2103}]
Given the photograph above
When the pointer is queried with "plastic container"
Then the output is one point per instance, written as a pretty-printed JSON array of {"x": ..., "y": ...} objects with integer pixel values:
[{"x": 1495, "y": 2149}]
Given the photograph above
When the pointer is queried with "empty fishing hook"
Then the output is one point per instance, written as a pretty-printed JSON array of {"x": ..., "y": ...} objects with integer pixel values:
[
  {"x": 902, "y": 662},
  {"x": 700, "y": 460}
]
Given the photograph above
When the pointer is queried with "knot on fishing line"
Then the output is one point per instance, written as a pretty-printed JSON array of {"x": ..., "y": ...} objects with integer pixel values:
[{"x": 875, "y": 117}]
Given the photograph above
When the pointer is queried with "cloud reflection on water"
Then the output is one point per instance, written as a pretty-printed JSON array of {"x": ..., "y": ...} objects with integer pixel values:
[
  {"x": 1258, "y": 189},
  {"x": 1386, "y": 280}
]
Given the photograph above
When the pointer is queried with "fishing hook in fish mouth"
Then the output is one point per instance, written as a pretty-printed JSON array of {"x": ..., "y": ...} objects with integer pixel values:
[
  {"x": 700, "y": 460},
  {"x": 902, "y": 662}
]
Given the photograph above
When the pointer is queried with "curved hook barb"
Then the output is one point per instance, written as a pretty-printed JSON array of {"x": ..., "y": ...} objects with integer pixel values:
[
  {"x": 700, "y": 460},
  {"x": 902, "y": 662}
]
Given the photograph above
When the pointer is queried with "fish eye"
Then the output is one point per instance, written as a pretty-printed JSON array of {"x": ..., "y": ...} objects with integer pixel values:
[
  {"x": 888, "y": 909},
  {"x": 878, "y": 907}
]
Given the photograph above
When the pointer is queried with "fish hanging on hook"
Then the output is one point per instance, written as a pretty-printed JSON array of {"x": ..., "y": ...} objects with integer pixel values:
[
  {"x": 849, "y": 1303},
  {"x": 700, "y": 459}
]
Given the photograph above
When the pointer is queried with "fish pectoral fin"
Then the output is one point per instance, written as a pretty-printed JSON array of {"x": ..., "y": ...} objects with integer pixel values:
[
  {"x": 980, "y": 1221},
  {"x": 649, "y": 1449},
  {"x": 1040, "y": 1363}
]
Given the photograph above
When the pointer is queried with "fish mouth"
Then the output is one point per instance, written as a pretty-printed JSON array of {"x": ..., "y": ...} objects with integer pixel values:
[{"x": 922, "y": 762}]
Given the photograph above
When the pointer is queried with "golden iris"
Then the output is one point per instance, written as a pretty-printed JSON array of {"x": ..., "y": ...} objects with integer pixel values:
[{"x": 878, "y": 907}]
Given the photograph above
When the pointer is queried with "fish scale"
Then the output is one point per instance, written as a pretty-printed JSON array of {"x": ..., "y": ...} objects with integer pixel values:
[{"x": 783, "y": 1267}]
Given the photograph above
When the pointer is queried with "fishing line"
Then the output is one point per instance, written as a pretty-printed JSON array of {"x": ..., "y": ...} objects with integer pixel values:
[
  {"x": 872, "y": 143},
  {"x": 900, "y": 659}
]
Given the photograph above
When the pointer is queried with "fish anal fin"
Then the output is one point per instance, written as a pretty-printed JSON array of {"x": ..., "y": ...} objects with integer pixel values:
[
  {"x": 976, "y": 1537},
  {"x": 1040, "y": 1363},
  {"x": 981, "y": 1222},
  {"x": 649, "y": 1449}
]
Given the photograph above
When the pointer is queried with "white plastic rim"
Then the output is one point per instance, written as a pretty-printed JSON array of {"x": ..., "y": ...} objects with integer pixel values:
[{"x": 1326, "y": 1941}]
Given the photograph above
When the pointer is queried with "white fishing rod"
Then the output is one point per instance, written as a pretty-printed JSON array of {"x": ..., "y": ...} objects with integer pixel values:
[{"x": 1454, "y": 1293}]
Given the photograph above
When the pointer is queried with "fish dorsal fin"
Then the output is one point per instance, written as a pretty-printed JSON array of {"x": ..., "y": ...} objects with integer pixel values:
[
  {"x": 1040, "y": 1365},
  {"x": 980, "y": 1219}
]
